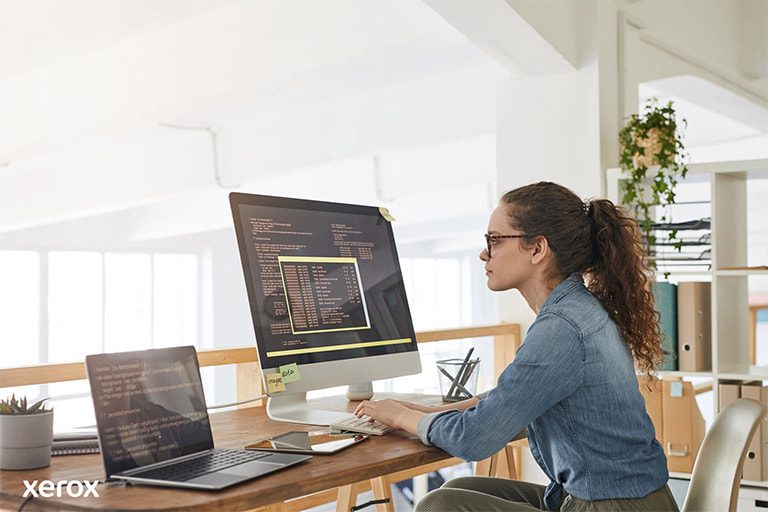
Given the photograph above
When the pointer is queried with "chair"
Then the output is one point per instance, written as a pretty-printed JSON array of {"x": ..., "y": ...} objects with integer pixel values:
[{"x": 717, "y": 471}]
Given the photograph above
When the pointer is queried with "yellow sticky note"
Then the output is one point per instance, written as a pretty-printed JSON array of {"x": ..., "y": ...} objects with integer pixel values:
[
  {"x": 275, "y": 383},
  {"x": 290, "y": 373},
  {"x": 385, "y": 213}
]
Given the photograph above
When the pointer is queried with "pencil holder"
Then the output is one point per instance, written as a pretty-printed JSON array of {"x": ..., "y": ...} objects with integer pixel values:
[{"x": 458, "y": 380}]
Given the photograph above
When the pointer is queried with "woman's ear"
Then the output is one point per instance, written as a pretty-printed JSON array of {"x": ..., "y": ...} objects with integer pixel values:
[{"x": 540, "y": 250}]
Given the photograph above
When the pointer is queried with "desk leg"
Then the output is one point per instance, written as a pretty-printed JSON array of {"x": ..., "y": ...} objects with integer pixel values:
[
  {"x": 489, "y": 466},
  {"x": 382, "y": 490},
  {"x": 512, "y": 452},
  {"x": 346, "y": 498}
]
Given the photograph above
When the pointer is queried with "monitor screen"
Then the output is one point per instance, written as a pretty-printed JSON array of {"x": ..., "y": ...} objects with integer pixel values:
[{"x": 323, "y": 280}]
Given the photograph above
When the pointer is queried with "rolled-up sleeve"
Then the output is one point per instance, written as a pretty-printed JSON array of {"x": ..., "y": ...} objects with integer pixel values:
[
  {"x": 547, "y": 368},
  {"x": 422, "y": 429}
]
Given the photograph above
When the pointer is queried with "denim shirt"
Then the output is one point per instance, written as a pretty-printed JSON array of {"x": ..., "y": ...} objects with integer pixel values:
[{"x": 573, "y": 385}]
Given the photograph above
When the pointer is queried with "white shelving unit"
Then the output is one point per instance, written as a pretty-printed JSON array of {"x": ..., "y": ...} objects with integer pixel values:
[{"x": 730, "y": 338}]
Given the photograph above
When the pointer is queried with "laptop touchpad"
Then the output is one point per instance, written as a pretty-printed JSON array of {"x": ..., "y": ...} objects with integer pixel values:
[{"x": 251, "y": 469}]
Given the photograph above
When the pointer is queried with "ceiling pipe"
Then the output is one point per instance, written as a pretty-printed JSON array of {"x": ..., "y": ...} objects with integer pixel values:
[{"x": 214, "y": 148}]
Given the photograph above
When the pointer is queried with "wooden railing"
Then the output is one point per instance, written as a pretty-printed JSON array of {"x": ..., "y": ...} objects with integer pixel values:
[{"x": 506, "y": 340}]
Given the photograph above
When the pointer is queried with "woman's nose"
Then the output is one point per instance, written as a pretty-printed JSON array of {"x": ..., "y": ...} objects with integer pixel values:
[{"x": 484, "y": 255}]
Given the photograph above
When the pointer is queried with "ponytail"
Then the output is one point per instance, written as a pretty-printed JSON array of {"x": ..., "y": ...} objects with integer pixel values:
[
  {"x": 618, "y": 276},
  {"x": 603, "y": 243}
]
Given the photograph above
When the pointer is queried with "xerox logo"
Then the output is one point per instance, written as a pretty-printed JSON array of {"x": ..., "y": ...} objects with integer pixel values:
[{"x": 72, "y": 488}]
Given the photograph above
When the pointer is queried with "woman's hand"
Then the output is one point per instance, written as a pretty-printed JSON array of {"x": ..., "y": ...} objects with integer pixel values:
[
  {"x": 417, "y": 407},
  {"x": 390, "y": 412}
]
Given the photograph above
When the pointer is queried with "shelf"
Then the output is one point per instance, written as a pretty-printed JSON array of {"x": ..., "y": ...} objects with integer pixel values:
[
  {"x": 687, "y": 374},
  {"x": 756, "y": 168},
  {"x": 753, "y": 373},
  {"x": 737, "y": 273},
  {"x": 755, "y": 483},
  {"x": 744, "y": 483}
]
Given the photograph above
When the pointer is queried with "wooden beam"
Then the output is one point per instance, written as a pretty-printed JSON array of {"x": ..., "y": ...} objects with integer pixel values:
[{"x": 62, "y": 372}]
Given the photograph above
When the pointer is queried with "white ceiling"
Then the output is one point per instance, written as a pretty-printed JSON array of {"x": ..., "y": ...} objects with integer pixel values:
[{"x": 36, "y": 34}]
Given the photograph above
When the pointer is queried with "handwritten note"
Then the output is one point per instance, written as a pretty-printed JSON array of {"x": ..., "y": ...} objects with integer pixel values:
[
  {"x": 290, "y": 373},
  {"x": 275, "y": 383}
]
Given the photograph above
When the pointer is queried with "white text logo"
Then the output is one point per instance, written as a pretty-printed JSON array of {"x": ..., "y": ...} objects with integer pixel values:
[{"x": 72, "y": 488}]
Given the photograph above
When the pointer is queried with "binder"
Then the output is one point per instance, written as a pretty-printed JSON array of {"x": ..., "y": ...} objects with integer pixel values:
[
  {"x": 756, "y": 461},
  {"x": 729, "y": 392},
  {"x": 683, "y": 425},
  {"x": 694, "y": 326},
  {"x": 652, "y": 393},
  {"x": 665, "y": 295}
]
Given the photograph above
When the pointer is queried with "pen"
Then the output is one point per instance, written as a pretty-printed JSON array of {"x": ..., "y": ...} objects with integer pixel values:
[
  {"x": 463, "y": 367},
  {"x": 459, "y": 386},
  {"x": 467, "y": 374}
]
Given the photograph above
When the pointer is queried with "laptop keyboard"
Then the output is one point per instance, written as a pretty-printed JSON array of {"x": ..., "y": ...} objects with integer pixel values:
[{"x": 211, "y": 462}]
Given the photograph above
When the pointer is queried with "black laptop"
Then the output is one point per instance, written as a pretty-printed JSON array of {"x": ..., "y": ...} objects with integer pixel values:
[{"x": 154, "y": 428}]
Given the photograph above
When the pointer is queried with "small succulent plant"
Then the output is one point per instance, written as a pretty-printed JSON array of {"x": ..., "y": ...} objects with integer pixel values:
[{"x": 18, "y": 407}]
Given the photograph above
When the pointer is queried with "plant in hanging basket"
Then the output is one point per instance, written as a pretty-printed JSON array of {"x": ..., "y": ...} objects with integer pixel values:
[{"x": 653, "y": 157}]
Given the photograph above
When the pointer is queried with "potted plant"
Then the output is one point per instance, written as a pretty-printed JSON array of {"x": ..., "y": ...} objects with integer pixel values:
[
  {"x": 652, "y": 140},
  {"x": 26, "y": 434}
]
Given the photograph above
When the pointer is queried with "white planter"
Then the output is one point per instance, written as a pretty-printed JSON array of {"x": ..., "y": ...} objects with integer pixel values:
[{"x": 25, "y": 441}]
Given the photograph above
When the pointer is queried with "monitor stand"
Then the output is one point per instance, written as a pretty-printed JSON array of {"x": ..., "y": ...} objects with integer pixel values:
[{"x": 294, "y": 408}]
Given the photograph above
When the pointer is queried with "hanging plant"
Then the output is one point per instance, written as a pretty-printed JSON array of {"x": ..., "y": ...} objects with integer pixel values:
[{"x": 651, "y": 140}]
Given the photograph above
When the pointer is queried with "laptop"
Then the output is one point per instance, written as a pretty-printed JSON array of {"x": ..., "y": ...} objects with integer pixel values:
[{"x": 153, "y": 425}]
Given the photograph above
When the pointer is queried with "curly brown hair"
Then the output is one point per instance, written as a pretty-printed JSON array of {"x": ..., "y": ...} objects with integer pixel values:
[{"x": 603, "y": 243}]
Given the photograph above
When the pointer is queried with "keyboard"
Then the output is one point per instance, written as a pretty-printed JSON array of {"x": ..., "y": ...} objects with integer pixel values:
[
  {"x": 362, "y": 425},
  {"x": 192, "y": 468}
]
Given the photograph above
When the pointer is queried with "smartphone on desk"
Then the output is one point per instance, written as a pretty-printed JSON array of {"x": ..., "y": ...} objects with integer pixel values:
[{"x": 316, "y": 443}]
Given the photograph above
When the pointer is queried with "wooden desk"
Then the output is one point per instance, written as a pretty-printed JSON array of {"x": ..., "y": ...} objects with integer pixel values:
[{"x": 380, "y": 455}]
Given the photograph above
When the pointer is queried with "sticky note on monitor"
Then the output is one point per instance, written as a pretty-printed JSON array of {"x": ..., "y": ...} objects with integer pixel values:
[
  {"x": 290, "y": 373},
  {"x": 275, "y": 383},
  {"x": 385, "y": 213}
]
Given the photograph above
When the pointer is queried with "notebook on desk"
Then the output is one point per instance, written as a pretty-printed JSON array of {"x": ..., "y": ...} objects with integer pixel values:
[{"x": 153, "y": 425}]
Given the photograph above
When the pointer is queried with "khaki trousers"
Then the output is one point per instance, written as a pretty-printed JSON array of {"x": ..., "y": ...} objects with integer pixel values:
[{"x": 488, "y": 494}]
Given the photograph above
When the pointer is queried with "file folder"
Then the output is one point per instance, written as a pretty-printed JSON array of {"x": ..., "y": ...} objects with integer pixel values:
[
  {"x": 756, "y": 461},
  {"x": 694, "y": 326},
  {"x": 683, "y": 425},
  {"x": 665, "y": 295}
]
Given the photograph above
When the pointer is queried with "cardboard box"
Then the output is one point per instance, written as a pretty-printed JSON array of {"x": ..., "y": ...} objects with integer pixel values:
[
  {"x": 652, "y": 394},
  {"x": 756, "y": 461},
  {"x": 682, "y": 425},
  {"x": 729, "y": 392}
]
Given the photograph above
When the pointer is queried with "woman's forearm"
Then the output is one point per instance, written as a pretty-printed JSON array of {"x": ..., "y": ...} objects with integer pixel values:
[{"x": 457, "y": 406}]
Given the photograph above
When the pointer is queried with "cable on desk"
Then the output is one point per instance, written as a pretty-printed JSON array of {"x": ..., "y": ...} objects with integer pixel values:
[
  {"x": 221, "y": 406},
  {"x": 23, "y": 503}
]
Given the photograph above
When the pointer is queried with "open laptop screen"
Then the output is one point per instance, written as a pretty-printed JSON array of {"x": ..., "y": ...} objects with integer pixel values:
[{"x": 149, "y": 406}]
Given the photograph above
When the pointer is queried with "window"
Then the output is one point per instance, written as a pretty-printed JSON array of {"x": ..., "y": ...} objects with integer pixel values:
[
  {"x": 75, "y": 305},
  {"x": 128, "y": 302},
  {"x": 64, "y": 305},
  {"x": 20, "y": 306}
]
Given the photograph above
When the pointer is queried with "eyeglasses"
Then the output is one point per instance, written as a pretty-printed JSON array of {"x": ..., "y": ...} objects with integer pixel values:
[{"x": 490, "y": 240}]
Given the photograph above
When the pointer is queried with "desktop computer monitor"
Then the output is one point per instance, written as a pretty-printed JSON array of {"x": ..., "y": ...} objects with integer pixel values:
[{"x": 326, "y": 292}]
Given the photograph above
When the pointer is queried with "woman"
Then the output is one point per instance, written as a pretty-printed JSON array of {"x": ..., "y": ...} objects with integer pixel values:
[{"x": 572, "y": 384}]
